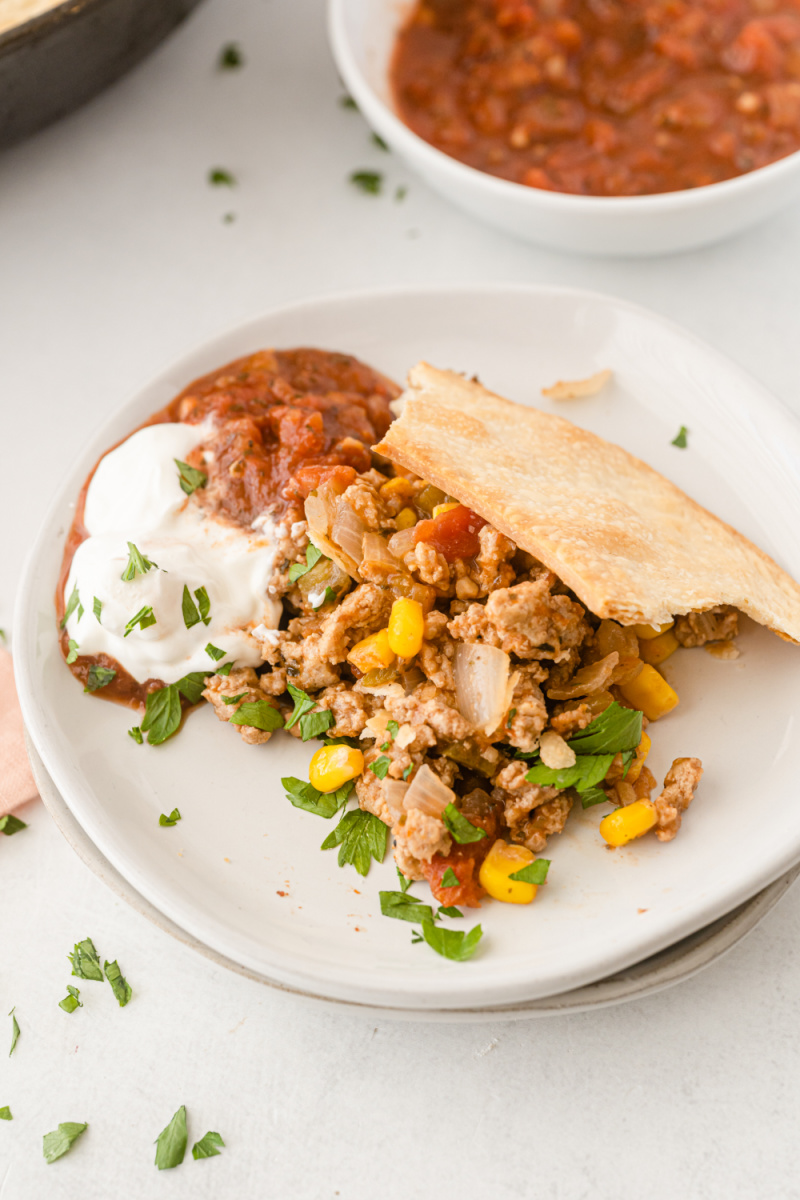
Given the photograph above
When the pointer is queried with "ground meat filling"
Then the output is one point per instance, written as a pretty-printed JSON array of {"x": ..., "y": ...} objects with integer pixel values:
[{"x": 473, "y": 587}]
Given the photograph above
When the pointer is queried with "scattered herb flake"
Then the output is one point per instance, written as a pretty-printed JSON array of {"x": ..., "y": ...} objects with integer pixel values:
[
  {"x": 449, "y": 910},
  {"x": 259, "y": 714},
  {"x": 97, "y": 608},
  {"x": 207, "y": 1146},
  {"x": 233, "y": 699},
  {"x": 214, "y": 652},
  {"x": 348, "y": 102},
  {"x": 138, "y": 564},
  {"x": 328, "y": 598},
  {"x": 535, "y": 872},
  {"x": 379, "y": 142},
  {"x": 144, "y": 618},
  {"x": 191, "y": 686},
  {"x": 119, "y": 984},
  {"x": 302, "y": 704},
  {"x": 230, "y": 57},
  {"x": 359, "y": 836},
  {"x": 616, "y": 729},
  {"x": 404, "y": 907},
  {"x": 86, "y": 961},
  {"x": 98, "y": 677},
  {"x": 450, "y": 879},
  {"x": 381, "y": 766},
  {"x": 191, "y": 616},
  {"x": 315, "y": 723},
  {"x": 393, "y": 728},
  {"x": 405, "y": 884},
  {"x": 10, "y": 825},
  {"x": 225, "y": 669},
  {"x": 462, "y": 830},
  {"x": 219, "y": 177},
  {"x": 190, "y": 478},
  {"x": 5, "y": 1114},
  {"x": 681, "y": 440},
  {"x": 73, "y": 651},
  {"x": 162, "y": 715},
  {"x": 400, "y": 193},
  {"x": 510, "y": 717},
  {"x": 386, "y": 745},
  {"x": 313, "y": 555},
  {"x": 323, "y": 804},
  {"x": 408, "y": 770},
  {"x": 72, "y": 604},
  {"x": 135, "y": 732},
  {"x": 204, "y": 604},
  {"x": 172, "y": 819},
  {"x": 14, "y": 1031},
  {"x": 228, "y": 218},
  {"x": 57, "y": 1143},
  {"x": 452, "y": 943},
  {"x": 591, "y": 796},
  {"x": 71, "y": 1001},
  {"x": 587, "y": 772},
  {"x": 171, "y": 1142},
  {"x": 368, "y": 181}
]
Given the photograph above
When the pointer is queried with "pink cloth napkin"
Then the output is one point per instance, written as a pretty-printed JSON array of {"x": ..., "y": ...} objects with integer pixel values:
[{"x": 16, "y": 777}]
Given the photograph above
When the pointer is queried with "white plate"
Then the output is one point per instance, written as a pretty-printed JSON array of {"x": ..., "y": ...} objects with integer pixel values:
[
  {"x": 674, "y": 965},
  {"x": 221, "y": 874}
]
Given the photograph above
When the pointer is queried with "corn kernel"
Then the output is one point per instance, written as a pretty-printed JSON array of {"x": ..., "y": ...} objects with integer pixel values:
[
  {"x": 372, "y": 652},
  {"x": 645, "y": 632},
  {"x": 406, "y": 518},
  {"x": 503, "y": 860},
  {"x": 406, "y": 627},
  {"x": 333, "y": 766},
  {"x": 443, "y": 508},
  {"x": 625, "y": 824},
  {"x": 650, "y": 692},
  {"x": 642, "y": 751},
  {"x": 657, "y": 650},
  {"x": 399, "y": 488}
]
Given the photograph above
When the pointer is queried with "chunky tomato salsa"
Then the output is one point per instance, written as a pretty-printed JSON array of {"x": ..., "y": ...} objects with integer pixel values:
[{"x": 604, "y": 97}]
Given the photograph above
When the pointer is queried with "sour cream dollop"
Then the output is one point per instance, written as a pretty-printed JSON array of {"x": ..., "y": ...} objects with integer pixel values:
[{"x": 135, "y": 496}]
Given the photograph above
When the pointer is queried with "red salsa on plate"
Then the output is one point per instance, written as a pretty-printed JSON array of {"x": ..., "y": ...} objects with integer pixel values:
[{"x": 604, "y": 97}]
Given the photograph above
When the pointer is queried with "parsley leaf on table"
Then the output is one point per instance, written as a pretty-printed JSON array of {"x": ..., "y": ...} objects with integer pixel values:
[
  {"x": 119, "y": 984},
  {"x": 207, "y": 1146},
  {"x": 171, "y": 1142},
  {"x": 86, "y": 961},
  {"x": 57, "y": 1143}
]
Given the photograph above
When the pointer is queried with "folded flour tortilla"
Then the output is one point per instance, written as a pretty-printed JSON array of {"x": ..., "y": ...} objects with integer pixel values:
[{"x": 630, "y": 544}]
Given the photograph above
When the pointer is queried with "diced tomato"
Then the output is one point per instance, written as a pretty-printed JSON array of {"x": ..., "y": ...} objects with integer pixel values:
[
  {"x": 464, "y": 861},
  {"x": 308, "y": 478},
  {"x": 453, "y": 533}
]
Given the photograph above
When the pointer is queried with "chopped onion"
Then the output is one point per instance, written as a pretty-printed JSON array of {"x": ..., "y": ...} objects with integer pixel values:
[
  {"x": 402, "y": 542},
  {"x": 316, "y": 513},
  {"x": 375, "y": 551},
  {"x": 338, "y": 556},
  {"x": 554, "y": 751},
  {"x": 594, "y": 678},
  {"x": 394, "y": 791},
  {"x": 428, "y": 793},
  {"x": 348, "y": 530},
  {"x": 481, "y": 675}
]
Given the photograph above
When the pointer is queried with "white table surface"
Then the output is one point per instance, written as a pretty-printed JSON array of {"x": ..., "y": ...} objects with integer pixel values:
[{"x": 114, "y": 259}]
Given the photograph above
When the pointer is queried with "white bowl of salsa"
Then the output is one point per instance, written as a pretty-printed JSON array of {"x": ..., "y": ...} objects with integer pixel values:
[{"x": 733, "y": 89}]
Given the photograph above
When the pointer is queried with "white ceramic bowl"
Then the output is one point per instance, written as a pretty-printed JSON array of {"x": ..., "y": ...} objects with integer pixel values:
[{"x": 362, "y": 34}]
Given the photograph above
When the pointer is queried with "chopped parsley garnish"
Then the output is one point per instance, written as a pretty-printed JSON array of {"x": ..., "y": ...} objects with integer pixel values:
[
  {"x": 587, "y": 772},
  {"x": 193, "y": 613},
  {"x": 10, "y": 825},
  {"x": 119, "y": 984},
  {"x": 57, "y": 1143},
  {"x": 228, "y": 218},
  {"x": 138, "y": 564},
  {"x": 259, "y": 714},
  {"x": 207, "y": 1146},
  {"x": 313, "y": 555},
  {"x": 98, "y": 677},
  {"x": 323, "y": 804},
  {"x": 348, "y": 102},
  {"x": 450, "y": 879},
  {"x": 359, "y": 836},
  {"x": 190, "y": 478},
  {"x": 461, "y": 829},
  {"x": 230, "y": 57},
  {"x": 72, "y": 604},
  {"x": 393, "y": 728},
  {"x": 162, "y": 716},
  {"x": 535, "y": 872},
  {"x": 404, "y": 907},
  {"x": 225, "y": 669},
  {"x": 73, "y": 651},
  {"x": 381, "y": 766},
  {"x": 408, "y": 770},
  {"x": 510, "y": 717},
  {"x": 405, "y": 884},
  {"x": 681, "y": 440},
  {"x": 327, "y": 598},
  {"x": 219, "y": 177},
  {"x": 452, "y": 943},
  {"x": 135, "y": 732},
  {"x": 86, "y": 961},
  {"x": 592, "y": 796},
  {"x": 449, "y": 911},
  {"x": 386, "y": 745},
  {"x": 214, "y": 652},
  {"x": 233, "y": 699},
  {"x": 71, "y": 1001},
  {"x": 616, "y": 729},
  {"x": 144, "y": 618},
  {"x": 191, "y": 686},
  {"x": 5, "y": 1113},
  {"x": 400, "y": 193},
  {"x": 379, "y": 142},
  {"x": 302, "y": 704},
  {"x": 97, "y": 608},
  {"x": 14, "y": 1031},
  {"x": 171, "y": 1142},
  {"x": 170, "y": 820},
  {"x": 204, "y": 604},
  {"x": 315, "y": 723},
  {"x": 369, "y": 181}
]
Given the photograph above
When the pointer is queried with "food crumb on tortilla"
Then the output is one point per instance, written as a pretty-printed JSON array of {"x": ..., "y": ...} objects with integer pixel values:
[{"x": 573, "y": 389}]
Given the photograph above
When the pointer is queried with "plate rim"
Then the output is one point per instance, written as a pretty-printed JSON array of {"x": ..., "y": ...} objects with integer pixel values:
[{"x": 332, "y": 983}]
